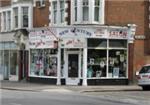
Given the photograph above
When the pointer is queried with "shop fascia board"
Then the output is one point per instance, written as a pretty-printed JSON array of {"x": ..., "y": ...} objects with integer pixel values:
[
  {"x": 79, "y": 26},
  {"x": 7, "y": 36}
]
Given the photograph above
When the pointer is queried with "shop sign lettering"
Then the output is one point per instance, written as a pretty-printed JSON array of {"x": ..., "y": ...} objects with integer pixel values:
[
  {"x": 73, "y": 42},
  {"x": 75, "y": 32},
  {"x": 100, "y": 33},
  {"x": 118, "y": 34},
  {"x": 41, "y": 39}
]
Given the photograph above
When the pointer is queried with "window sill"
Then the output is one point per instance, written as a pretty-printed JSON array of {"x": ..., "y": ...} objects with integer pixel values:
[{"x": 42, "y": 6}]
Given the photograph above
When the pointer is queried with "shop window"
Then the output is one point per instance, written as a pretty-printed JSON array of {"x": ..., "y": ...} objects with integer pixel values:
[
  {"x": 97, "y": 63},
  {"x": 118, "y": 43},
  {"x": 13, "y": 65},
  {"x": 117, "y": 63},
  {"x": 97, "y": 43},
  {"x": 43, "y": 62},
  {"x": 1, "y": 62}
]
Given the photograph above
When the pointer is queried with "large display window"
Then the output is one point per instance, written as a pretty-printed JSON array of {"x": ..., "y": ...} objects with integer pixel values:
[
  {"x": 97, "y": 61},
  {"x": 97, "y": 58},
  {"x": 117, "y": 58},
  {"x": 107, "y": 58},
  {"x": 43, "y": 62},
  {"x": 117, "y": 63}
]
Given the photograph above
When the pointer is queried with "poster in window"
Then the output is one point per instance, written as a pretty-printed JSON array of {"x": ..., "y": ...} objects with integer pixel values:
[{"x": 116, "y": 72}]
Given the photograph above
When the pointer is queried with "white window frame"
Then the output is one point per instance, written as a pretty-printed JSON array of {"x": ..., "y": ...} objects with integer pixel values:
[
  {"x": 91, "y": 13},
  {"x": 75, "y": 11},
  {"x": 16, "y": 14},
  {"x": 5, "y": 21},
  {"x": 27, "y": 14},
  {"x": 85, "y": 5},
  {"x": 62, "y": 11},
  {"x": 54, "y": 12},
  {"x": 96, "y": 6},
  {"x": 8, "y": 20}
]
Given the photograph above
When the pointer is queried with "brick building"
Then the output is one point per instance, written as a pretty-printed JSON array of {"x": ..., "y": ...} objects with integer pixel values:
[{"x": 77, "y": 18}]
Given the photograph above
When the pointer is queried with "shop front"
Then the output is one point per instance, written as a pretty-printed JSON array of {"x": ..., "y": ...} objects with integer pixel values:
[
  {"x": 8, "y": 58},
  {"x": 94, "y": 56},
  {"x": 83, "y": 56},
  {"x": 43, "y": 55}
]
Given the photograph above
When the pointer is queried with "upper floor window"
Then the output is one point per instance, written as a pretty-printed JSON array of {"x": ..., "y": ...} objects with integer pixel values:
[
  {"x": 85, "y": 10},
  {"x": 41, "y": 3},
  {"x": 4, "y": 16},
  {"x": 96, "y": 10},
  {"x": 62, "y": 11},
  {"x": 58, "y": 11},
  {"x": 9, "y": 20},
  {"x": 54, "y": 12},
  {"x": 25, "y": 16},
  {"x": 75, "y": 10},
  {"x": 16, "y": 17}
]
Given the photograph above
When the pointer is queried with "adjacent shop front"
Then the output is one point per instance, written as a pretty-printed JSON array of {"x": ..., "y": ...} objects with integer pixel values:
[
  {"x": 43, "y": 56},
  {"x": 80, "y": 55},
  {"x": 8, "y": 58}
]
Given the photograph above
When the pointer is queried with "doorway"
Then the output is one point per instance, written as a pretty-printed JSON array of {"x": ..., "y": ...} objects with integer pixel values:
[{"x": 73, "y": 68}]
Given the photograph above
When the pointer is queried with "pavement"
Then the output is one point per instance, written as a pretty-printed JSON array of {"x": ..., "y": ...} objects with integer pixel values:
[{"x": 27, "y": 86}]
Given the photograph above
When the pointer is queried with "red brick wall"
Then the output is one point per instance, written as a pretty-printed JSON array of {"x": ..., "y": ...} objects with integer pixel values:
[
  {"x": 5, "y": 3},
  {"x": 41, "y": 15},
  {"x": 123, "y": 12}
]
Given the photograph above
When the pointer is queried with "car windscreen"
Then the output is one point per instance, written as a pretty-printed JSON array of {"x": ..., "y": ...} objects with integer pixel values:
[{"x": 145, "y": 69}]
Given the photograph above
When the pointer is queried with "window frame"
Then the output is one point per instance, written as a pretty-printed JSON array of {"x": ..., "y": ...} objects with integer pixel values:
[
  {"x": 54, "y": 11},
  {"x": 25, "y": 14},
  {"x": 62, "y": 11},
  {"x": 9, "y": 20},
  {"x": 16, "y": 17},
  {"x": 85, "y": 5},
  {"x": 97, "y": 6}
]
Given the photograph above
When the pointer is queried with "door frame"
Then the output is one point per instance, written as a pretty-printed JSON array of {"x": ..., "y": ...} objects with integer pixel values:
[{"x": 74, "y": 80}]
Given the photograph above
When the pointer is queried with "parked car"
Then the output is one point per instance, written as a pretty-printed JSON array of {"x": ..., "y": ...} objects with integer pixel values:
[{"x": 144, "y": 77}]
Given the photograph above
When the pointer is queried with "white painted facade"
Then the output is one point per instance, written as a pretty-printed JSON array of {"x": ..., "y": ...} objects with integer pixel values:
[
  {"x": 91, "y": 12},
  {"x": 77, "y": 43},
  {"x": 10, "y": 9}
]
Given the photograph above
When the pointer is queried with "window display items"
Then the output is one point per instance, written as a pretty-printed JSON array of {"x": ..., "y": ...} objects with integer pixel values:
[
  {"x": 98, "y": 73},
  {"x": 89, "y": 72},
  {"x": 39, "y": 66},
  {"x": 43, "y": 63},
  {"x": 91, "y": 61}
]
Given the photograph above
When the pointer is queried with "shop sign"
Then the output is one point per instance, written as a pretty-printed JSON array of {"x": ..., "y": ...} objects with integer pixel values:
[
  {"x": 71, "y": 32},
  {"x": 118, "y": 34},
  {"x": 139, "y": 37},
  {"x": 100, "y": 33},
  {"x": 73, "y": 43},
  {"x": 41, "y": 39}
]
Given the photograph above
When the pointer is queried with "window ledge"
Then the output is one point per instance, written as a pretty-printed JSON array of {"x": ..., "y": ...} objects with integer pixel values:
[{"x": 42, "y": 6}]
